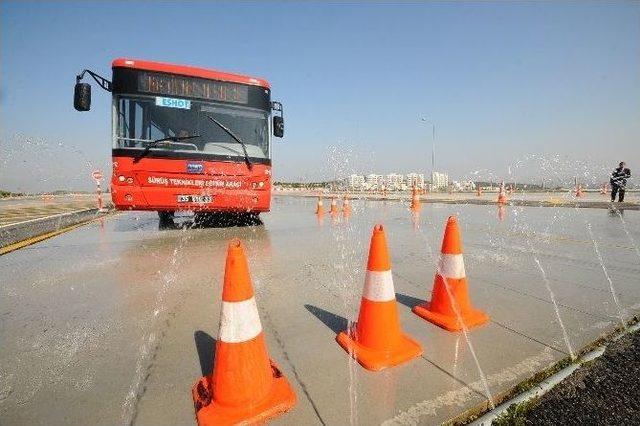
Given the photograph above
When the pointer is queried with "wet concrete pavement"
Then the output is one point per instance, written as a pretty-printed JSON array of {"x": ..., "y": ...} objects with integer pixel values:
[{"x": 115, "y": 321}]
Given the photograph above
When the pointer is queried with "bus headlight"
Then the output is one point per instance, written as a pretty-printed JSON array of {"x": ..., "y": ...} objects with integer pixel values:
[
  {"x": 121, "y": 178},
  {"x": 260, "y": 184}
]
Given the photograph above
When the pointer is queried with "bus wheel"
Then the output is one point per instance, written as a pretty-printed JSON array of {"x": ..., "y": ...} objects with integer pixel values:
[
  {"x": 201, "y": 219},
  {"x": 165, "y": 217},
  {"x": 251, "y": 219}
]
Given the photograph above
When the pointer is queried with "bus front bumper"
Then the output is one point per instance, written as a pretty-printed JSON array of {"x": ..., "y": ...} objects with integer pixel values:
[{"x": 180, "y": 199}]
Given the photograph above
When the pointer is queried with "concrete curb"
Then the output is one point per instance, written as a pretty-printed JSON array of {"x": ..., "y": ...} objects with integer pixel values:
[
  {"x": 16, "y": 232},
  {"x": 550, "y": 382},
  {"x": 542, "y": 381}
]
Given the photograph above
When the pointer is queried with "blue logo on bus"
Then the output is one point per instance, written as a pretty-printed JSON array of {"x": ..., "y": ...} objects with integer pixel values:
[
  {"x": 173, "y": 103},
  {"x": 195, "y": 168}
]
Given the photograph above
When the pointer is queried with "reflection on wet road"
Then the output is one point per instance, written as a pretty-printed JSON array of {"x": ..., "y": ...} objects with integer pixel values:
[{"x": 113, "y": 320}]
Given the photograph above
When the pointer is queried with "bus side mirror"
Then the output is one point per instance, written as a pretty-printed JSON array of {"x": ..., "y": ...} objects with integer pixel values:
[
  {"x": 82, "y": 97},
  {"x": 278, "y": 126}
]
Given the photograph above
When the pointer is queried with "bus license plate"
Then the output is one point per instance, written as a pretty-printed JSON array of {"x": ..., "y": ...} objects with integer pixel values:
[{"x": 199, "y": 199}]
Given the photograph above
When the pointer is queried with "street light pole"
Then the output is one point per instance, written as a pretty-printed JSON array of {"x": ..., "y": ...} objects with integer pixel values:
[{"x": 433, "y": 145}]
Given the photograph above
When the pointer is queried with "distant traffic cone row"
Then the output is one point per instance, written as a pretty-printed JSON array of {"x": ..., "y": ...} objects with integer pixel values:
[
  {"x": 245, "y": 386},
  {"x": 450, "y": 306},
  {"x": 377, "y": 341}
]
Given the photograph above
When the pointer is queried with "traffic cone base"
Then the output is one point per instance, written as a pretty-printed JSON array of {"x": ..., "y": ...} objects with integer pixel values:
[
  {"x": 471, "y": 318},
  {"x": 280, "y": 399},
  {"x": 376, "y": 360}
]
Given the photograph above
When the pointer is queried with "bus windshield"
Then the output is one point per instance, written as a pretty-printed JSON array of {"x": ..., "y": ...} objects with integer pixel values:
[{"x": 142, "y": 120}]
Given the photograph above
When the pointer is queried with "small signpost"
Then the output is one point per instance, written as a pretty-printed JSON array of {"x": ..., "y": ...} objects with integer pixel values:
[{"x": 97, "y": 176}]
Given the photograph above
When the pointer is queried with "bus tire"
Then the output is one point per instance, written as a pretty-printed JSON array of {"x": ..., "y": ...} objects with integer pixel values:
[{"x": 165, "y": 216}]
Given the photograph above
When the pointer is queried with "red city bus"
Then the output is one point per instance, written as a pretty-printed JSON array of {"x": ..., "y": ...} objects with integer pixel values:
[{"x": 188, "y": 139}]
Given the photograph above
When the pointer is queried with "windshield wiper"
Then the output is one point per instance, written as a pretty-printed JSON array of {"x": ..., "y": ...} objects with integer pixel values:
[
  {"x": 153, "y": 144},
  {"x": 230, "y": 133}
]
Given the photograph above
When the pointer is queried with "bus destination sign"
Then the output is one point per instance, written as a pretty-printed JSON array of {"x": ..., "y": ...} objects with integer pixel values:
[{"x": 190, "y": 87}]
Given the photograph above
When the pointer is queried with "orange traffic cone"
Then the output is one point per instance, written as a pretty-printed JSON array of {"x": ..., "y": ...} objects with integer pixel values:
[
  {"x": 502, "y": 198},
  {"x": 377, "y": 342},
  {"x": 320, "y": 208},
  {"x": 415, "y": 200},
  {"x": 579, "y": 192},
  {"x": 478, "y": 191},
  {"x": 245, "y": 386},
  {"x": 346, "y": 207},
  {"x": 450, "y": 301},
  {"x": 334, "y": 207}
]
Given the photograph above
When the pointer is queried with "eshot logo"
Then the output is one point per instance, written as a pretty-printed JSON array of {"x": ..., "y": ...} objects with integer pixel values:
[
  {"x": 173, "y": 103},
  {"x": 195, "y": 168}
]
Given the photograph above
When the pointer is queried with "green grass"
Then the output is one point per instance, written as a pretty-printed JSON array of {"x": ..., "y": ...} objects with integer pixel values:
[{"x": 516, "y": 414}]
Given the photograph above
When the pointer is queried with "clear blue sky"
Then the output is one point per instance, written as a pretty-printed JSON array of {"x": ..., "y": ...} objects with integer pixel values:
[{"x": 503, "y": 82}]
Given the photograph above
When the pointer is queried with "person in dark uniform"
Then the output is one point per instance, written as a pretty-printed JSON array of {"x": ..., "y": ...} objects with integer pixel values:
[{"x": 619, "y": 181}]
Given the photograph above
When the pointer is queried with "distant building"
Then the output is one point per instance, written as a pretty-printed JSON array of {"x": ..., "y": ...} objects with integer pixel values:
[
  {"x": 439, "y": 180},
  {"x": 373, "y": 181},
  {"x": 415, "y": 179},
  {"x": 467, "y": 185},
  {"x": 355, "y": 181},
  {"x": 391, "y": 181},
  {"x": 394, "y": 181}
]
